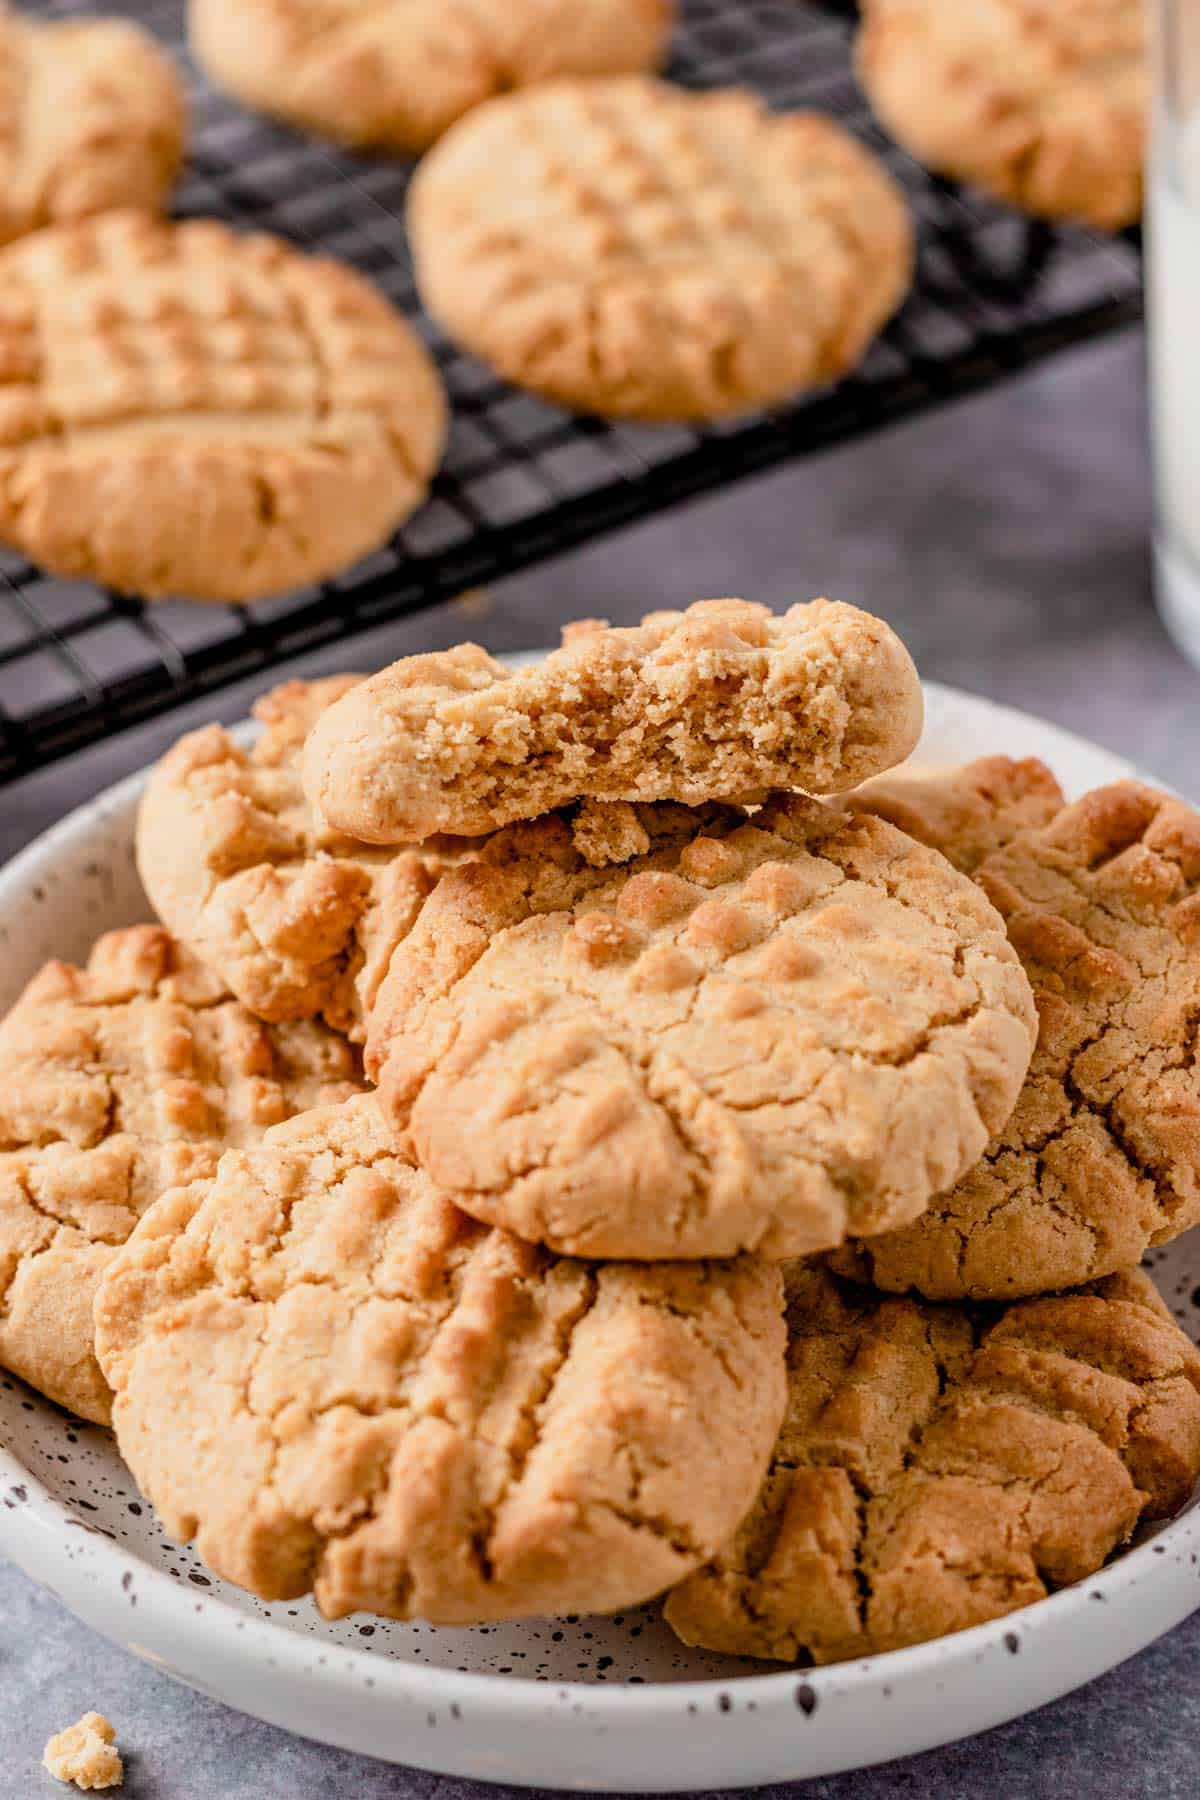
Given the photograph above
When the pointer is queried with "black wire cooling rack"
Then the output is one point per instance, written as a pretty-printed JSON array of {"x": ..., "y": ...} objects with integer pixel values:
[{"x": 524, "y": 480}]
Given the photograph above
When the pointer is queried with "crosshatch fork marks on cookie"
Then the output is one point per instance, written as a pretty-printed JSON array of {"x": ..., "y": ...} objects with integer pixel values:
[
  {"x": 524, "y": 480},
  {"x": 382, "y": 1401}
]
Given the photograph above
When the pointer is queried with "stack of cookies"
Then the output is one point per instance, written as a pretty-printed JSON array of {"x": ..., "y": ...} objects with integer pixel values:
[{"x": 740, "y": 1192}]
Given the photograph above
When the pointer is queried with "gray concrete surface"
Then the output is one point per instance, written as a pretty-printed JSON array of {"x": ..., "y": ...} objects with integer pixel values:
[{"x": 1007, "y": 539}]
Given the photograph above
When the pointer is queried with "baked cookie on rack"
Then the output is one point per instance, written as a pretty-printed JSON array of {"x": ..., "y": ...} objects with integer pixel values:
[
  {"x": 189, "y": 410},
  {"x": 630, "y": 248},
  {"x": 1041, "y": 102},
  {"x": 332, "y": 1380},
  {"x": 1101, "y": 1156},
  {"x": 398, "y": 76},
  {"x": 766, "y": 1033},
  {"x": 117, "y": 1081},
  {"x": 720, "y": 702},
  {"x": 940, "y": 1466},
  {"x": 92, "y": 116}
]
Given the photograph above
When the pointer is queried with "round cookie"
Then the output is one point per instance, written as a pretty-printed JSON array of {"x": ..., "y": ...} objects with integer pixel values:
[
  {"x": 629, "y": 248},
  {"x": 397, "y": 76},
  {"x": 765, "y": 1034},
  {"x": 1101, "y": 1157},
  {"x": 92, "y": 116},
  {"x": 331, "y": 1379},
  {"x": 1041, "y": 102},
  {"x": 942, "y": 1466},
  {"x": 719, "y": 702},
  {"x": 186, "y": 410},
  {"x": 118, "y": 1081}
]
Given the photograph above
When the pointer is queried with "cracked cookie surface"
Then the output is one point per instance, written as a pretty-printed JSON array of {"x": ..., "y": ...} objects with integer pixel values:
[
  {"x": 332, "y": 1379},
  {"x": 768, "y": 1033},
  {"x": 1101, "y": 1156},
  {"x": 940, "y": 1466},
  {"x": 397, "y": 76},
  {"x": 965, "y": 811},
  {"x": 716, "y": 703},
  {"x": 629, "y": 248},
  {"x": 118, "y": 1081},
  {"x": 1042, "y": 102},
  {"x": 236, "y": 863},
  {"x": 297, "y": 918},
  {"x": 92, "y": 116},
  {"x": 189, "y": 410}
]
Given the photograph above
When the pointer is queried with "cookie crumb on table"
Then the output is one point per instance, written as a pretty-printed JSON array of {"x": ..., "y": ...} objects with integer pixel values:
[{"x": 86, "y": 1754}]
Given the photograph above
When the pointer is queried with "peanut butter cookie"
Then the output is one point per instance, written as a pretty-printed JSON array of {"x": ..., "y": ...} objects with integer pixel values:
[
  {"x": 941, "y": 1466},
  {"x": 1042, "y": 102},
  {"x": 1101, "y": 1157},
  {"x": 765, "y": 1034},
  {"x": 297, "y": 918},
  {"x": 398, "y": 75},
  {"x": 92, "y": 116},
  {"x": 236, "y": 863},
  {"x": 719, "y": 702},
  {"x": 187, "y": 410},
  {"x": 331, "y": 1379},
  {"x": 117, "y": 1081},
  {"x": 630, "y": 248},
  {"x": 966, "y": 812}
]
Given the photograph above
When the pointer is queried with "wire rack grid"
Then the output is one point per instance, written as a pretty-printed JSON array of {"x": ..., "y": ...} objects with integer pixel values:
[{"x": 523, "y": 480}]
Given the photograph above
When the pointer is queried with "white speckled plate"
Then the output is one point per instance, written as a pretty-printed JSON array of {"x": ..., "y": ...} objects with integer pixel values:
[{"x": 592, "y": 1703}]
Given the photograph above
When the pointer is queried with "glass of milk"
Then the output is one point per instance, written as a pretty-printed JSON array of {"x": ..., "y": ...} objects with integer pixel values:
[{"x": 1173, "y": 302}]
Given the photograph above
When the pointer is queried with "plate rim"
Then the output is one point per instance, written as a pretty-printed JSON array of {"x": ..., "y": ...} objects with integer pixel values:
[{"x": 49, "y": 1543}]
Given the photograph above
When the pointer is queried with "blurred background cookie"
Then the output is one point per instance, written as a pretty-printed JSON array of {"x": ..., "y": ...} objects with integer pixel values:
[
  {"x": 92, "y": 116},
  {"x": 628, "y": 248},
  {"x": 398, "y": 76},
  {"x": 1042, "y": 102}
]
